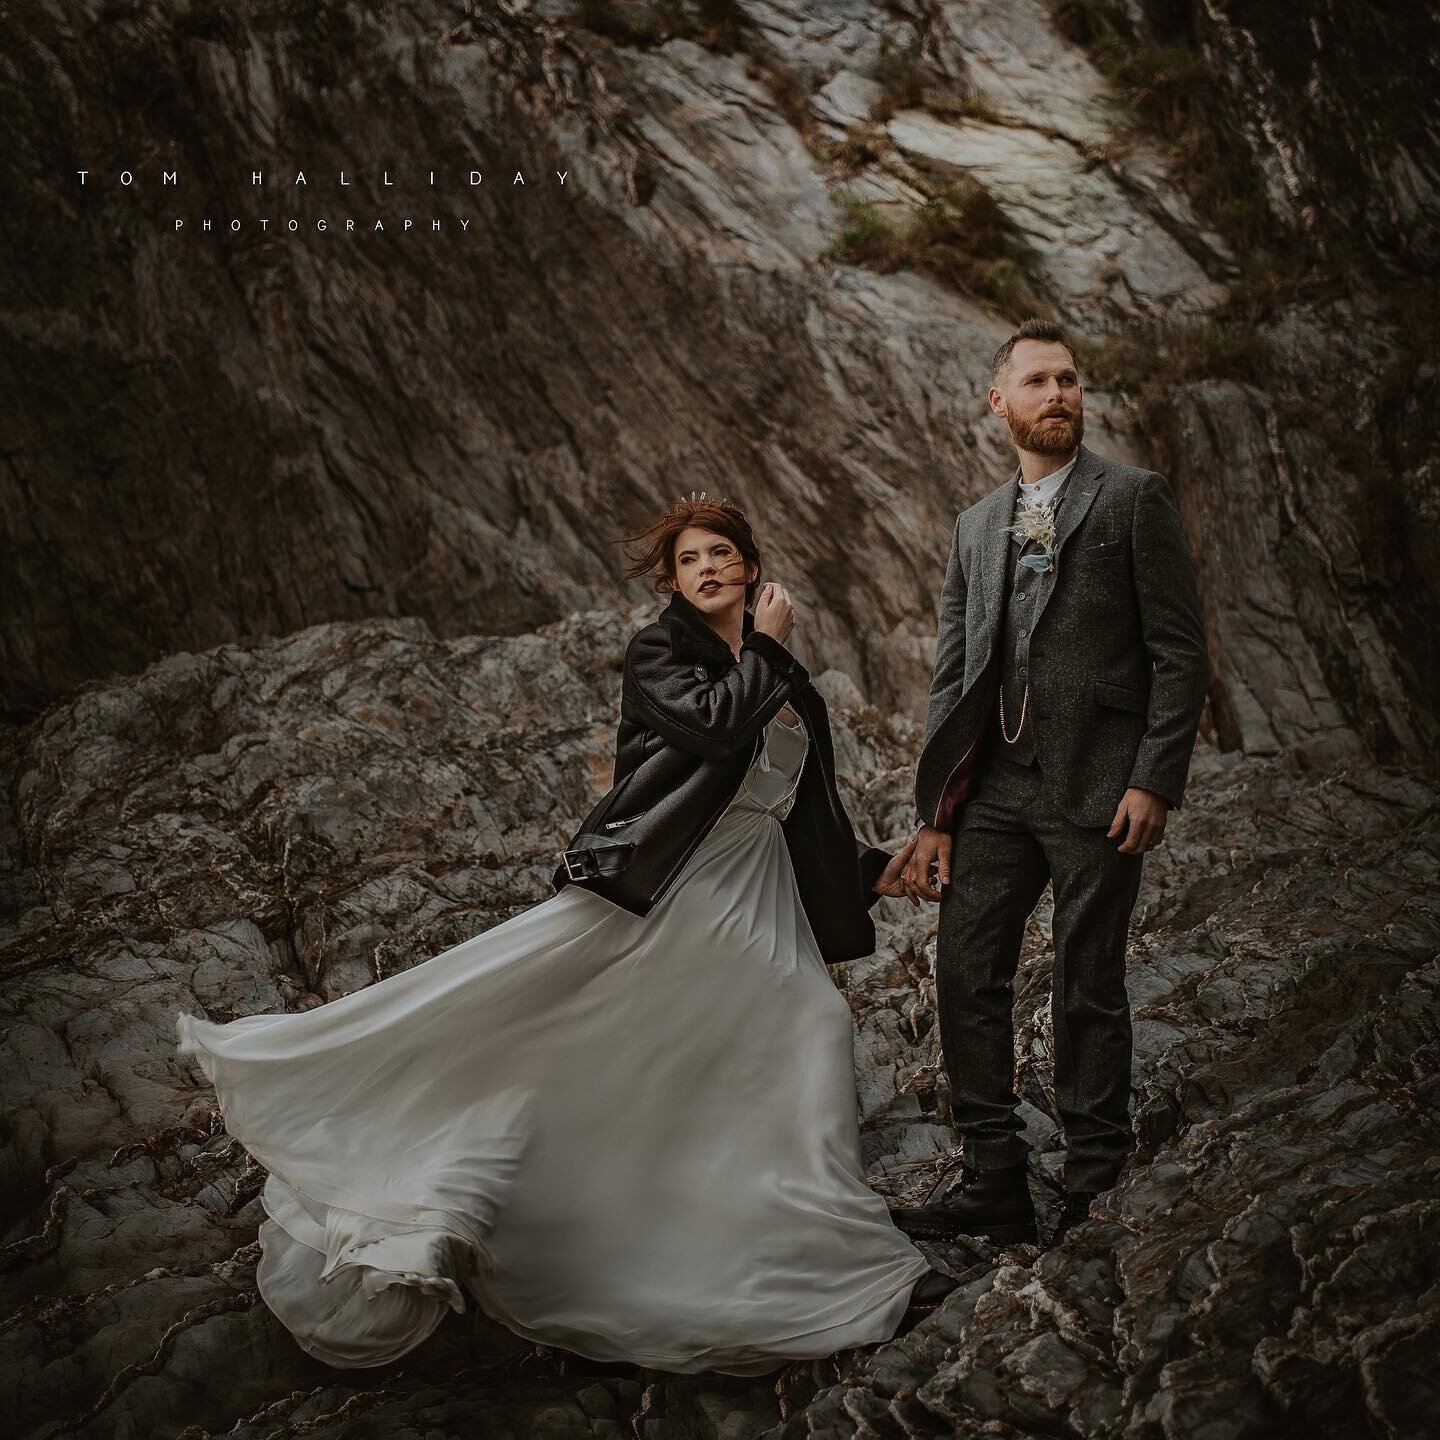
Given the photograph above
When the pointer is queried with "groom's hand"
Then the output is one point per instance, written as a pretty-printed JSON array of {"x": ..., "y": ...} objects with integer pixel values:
[
  {"x": 1140, "y": 816},
  {"x": 932, "y": 848},
  {"x": 891, "y": 881}
]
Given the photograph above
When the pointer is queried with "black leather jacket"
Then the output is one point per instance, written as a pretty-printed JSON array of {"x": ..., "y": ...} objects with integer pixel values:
[{"x": 691, "y": 717}]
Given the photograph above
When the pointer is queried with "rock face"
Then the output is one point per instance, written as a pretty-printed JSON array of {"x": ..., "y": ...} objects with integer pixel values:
[
  {"x": 1247, "y": 1276},
  {"x": 269, "y": 825},
  {"x": 312, "y": 634},
  {"x": 262, "y": 430}
]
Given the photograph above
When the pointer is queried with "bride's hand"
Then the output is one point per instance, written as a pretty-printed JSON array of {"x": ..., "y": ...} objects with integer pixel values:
[
  {"x": 774, "y": 613},
  {"x": 892, "y": 881}
]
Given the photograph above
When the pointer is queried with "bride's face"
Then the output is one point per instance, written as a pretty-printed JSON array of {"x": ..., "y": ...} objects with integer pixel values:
[{"x": 710, "y": 573}]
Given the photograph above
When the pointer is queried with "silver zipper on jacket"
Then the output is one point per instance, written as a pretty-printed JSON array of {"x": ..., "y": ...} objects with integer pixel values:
[{"x": 628, "y": 820}]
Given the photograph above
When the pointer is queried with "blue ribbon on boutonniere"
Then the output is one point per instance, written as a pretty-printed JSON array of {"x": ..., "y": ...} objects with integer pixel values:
[{"x": 1042, "y": 562}]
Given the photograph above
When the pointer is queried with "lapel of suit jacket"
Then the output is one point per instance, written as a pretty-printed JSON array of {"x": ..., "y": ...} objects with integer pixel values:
[
  {"x": 1081, "y": 488},
  {"x": 994, "y": 538}
]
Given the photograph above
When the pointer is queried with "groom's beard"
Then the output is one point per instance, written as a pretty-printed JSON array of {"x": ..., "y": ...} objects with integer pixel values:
[{"x": 1044, "y": 438}]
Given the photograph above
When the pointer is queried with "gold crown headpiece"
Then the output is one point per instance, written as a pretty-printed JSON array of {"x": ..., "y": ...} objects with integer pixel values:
[{"x": 693, "y": 498}]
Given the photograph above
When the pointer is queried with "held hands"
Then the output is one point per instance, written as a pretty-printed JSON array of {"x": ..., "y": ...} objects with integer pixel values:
[
  {"x": 892, "y": 879},
  {"x": 929, "y": 849},
  {"x": 774, "y": 613},
  {"x": 1143, "y": 814}
]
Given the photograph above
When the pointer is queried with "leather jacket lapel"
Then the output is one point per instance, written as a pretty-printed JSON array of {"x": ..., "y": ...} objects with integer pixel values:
[{"x": 691, "y": 635}]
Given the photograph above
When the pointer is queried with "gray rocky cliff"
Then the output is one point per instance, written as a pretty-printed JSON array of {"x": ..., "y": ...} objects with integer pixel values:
[
  {"x": 787, "y": 243},
  {"x": 312, "y": 633},
  {"x": 269, "y": 825}
]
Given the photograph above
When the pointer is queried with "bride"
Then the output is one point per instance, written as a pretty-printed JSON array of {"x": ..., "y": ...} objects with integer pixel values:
[{"x": 623, "y": 1120}]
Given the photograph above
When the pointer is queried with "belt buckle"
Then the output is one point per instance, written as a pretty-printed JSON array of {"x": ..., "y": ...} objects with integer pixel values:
[{"x": 570, "y": 865}]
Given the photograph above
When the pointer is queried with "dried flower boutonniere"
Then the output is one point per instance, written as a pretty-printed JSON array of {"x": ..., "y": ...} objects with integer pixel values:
[{"x": 1037, "y": 523}]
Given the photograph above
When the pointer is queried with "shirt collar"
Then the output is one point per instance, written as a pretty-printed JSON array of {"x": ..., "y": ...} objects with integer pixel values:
[{"x": 1045, "y": 488}]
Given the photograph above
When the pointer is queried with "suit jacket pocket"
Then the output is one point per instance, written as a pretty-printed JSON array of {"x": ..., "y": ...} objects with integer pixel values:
[
  {"x": 1121, "y": 697},
  {"x": 1102, "y": 550}
]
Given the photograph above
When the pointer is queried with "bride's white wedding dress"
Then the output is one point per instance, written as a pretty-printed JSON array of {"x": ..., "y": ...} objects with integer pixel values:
[{"x": 633, "y": 1138}]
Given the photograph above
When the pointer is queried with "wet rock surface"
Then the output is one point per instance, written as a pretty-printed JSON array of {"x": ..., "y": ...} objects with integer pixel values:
[{"x": 266, "y": 826}]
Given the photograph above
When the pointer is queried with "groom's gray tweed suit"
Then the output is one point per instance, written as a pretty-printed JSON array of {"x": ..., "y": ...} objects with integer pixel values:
[{"x": 1111, "y": 644}]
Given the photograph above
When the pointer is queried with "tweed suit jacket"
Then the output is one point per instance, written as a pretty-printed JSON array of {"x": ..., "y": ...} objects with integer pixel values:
[{"x": 1118, "y": 666}]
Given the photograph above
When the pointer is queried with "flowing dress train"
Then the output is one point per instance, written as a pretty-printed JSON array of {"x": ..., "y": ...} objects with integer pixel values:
[{"x": 631, "y": 1137}]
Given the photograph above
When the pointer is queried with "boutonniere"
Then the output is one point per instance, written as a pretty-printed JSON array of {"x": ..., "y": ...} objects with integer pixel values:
[{"x": 1037, "y": 523}]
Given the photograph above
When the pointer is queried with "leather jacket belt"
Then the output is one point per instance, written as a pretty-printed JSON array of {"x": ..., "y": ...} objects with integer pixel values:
[{"x": 587, "y": 862}]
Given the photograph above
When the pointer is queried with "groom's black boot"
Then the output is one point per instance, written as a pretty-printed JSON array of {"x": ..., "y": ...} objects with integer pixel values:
[
  {"x": 1076, "y": 1211},
  {"x": 985, "y": 1204}
]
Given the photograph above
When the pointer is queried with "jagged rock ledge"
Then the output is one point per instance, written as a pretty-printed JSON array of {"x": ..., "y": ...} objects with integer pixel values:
[{"x": 271, "y": 824}]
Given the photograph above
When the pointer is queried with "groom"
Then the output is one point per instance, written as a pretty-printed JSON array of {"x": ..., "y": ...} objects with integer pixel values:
[{"x": 1070, "y": 673}]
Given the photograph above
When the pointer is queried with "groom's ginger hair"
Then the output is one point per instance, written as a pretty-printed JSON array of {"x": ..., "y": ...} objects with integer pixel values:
[
  {"x": 1035, "y": 328},
  {"x": 657, "y": 558}
]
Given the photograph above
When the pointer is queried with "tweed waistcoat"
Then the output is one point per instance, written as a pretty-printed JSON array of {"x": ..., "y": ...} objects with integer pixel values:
[{"x": 1024, "y": 592}]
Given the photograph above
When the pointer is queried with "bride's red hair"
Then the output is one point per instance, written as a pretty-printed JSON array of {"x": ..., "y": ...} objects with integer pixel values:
[{"x": 657, "y": 555}]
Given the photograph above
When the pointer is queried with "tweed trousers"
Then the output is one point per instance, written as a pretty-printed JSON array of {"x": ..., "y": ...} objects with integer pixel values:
[{"x": 1009, "y": 840}]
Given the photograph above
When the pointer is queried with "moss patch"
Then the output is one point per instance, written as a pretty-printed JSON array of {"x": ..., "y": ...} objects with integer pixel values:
[
  {"x": 897, "y": 72},
  {"x": 716, "y": 24},
  {"x": 1144, "y": 362},
  {"x": 960, "y": 235},
  {"x": 1171, "y": 90}
]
